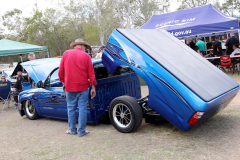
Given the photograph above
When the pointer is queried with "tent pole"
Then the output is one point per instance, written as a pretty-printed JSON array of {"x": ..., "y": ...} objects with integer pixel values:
[
  {"x": 239, "y": 35},
  {"x": 21, "y": 62},
  {"x": 47, "y": 54}
]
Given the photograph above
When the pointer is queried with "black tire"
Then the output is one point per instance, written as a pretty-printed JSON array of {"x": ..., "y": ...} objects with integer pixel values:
[
  {"x": 130, "y": 118},
  {"x": 30, "y": 110}
]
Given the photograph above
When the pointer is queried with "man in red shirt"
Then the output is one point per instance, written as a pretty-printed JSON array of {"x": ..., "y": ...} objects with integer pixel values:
[{"x": 77, "y": 73}]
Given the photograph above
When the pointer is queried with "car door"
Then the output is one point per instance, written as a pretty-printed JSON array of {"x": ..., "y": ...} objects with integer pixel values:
[{"x": 52, "y": 99}]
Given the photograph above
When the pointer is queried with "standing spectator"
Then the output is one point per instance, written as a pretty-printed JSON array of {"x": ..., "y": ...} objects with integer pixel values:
[
  {"x": 192, "y": 45},
  {"x": 197, "y": 50},
  {"x": 99, "y": 54},
  {"x": 77, "y": 73},
  {"x": 216, "y": 44},
  {"x": 230, "y": 42},
  {"x": 19, "y": 73},
  {"x": 202, "y": 46},
  {"x": 31, "y": 56},
  {"x": 236, "y": 49},
  {"x": 17, "y": 88}
]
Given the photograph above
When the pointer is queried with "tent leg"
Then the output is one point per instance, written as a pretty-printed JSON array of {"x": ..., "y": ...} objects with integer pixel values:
[{"x": 239, "y": 35}]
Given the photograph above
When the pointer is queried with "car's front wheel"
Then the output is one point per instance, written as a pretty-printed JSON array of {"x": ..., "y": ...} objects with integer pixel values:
[
  {"x": 30, "y": 110},
  {"x": 125, "y": 114}
]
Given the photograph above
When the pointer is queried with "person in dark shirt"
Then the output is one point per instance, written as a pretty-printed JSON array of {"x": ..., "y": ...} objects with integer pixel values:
[
  {"x": 216, "y": 44},
  {"x": 192, "y": 45},
  {"x": 219, "y": 53},
  {"x": 17, "y": 88},
  {"x": 230, "y": 42}
]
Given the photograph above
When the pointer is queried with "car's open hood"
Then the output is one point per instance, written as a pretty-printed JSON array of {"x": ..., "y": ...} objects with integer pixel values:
[{"x": 39, "y": 69}]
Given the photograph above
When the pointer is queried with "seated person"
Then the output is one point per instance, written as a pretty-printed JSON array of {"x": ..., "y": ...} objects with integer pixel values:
[
  {"x": 3, "y": 79},
  {"x": 17, "y": 88},
  {"x": 219, "y": 53},
  {"x": 235, "y": 49}
]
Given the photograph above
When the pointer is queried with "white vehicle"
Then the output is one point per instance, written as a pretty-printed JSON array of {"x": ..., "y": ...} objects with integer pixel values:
[{"x": 7, "y": 72}]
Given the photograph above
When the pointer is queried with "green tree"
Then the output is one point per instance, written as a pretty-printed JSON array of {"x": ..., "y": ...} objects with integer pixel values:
[
  {"x": 148, "y": 8},
  {"x": 133, "y": 14},
  {"x": 13, "y": 20},
  {"x": 231, "y": 7},
  {"x": 187, "y": 4},
  {"x": 98, "y": 14}
]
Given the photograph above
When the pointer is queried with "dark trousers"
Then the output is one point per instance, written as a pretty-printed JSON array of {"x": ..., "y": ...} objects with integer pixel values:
[
  {"x": 15, "y": 96},
  {"x": 203, "y": 53}
]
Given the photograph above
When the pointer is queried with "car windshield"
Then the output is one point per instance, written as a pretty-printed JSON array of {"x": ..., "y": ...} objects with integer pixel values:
[
  {"x": 7, "y": 73},
  {"x": 54, "y": 77}
]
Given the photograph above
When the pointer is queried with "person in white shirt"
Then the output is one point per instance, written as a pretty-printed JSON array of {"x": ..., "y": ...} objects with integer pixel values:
[
  {"x": 101, "y": 49},
  {"x": 235, "y": 49}
]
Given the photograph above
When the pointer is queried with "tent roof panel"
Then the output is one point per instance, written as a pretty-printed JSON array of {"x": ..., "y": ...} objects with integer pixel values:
[
  {"x": 8, "y": 47},
  {"x": 195, "y": 21}
]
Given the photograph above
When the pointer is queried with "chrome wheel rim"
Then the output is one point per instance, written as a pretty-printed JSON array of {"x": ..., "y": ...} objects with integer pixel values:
[
  {"x": 30, "y": 108},
  {"x": 122, "y": 115}
]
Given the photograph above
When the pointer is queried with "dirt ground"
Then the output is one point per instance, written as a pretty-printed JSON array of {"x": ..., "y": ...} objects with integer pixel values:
[{"x": 217, "y": 138}]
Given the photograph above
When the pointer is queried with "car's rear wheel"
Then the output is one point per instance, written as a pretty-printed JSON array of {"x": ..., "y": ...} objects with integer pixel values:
[
  {"x": 125, "y": 114},
  {"x": 30, "y": 110}
]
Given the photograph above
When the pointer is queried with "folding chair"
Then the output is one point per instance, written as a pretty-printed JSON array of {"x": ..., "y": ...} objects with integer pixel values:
[
  {"x": 225, "y": 61},
  {"x": 5, "y": 92}
]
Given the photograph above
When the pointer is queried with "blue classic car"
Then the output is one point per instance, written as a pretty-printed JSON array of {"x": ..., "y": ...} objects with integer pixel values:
[
  {"x": 49, "y": 100},
  {"x": 184, "y": 88}
]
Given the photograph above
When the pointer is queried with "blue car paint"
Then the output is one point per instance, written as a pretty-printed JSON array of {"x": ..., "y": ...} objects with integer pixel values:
[
  {"x": 167, "y": 95},
  {"x": 51, "y": 102}
]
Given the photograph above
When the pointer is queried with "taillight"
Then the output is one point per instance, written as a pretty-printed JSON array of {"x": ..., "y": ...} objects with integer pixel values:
[{"x": 195, "y": 117}]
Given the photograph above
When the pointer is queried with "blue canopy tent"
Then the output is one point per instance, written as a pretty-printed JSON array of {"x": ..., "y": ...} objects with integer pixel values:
[{"x": 196, "y": 22}]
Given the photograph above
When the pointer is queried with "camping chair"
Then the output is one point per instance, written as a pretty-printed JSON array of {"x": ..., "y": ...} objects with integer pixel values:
[
  {"x": 225, "y": 61},
  {"x": 5, "y": 92}
]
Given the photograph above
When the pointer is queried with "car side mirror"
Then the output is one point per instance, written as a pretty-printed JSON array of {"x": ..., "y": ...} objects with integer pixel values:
[{"x": 40, "y": 84}]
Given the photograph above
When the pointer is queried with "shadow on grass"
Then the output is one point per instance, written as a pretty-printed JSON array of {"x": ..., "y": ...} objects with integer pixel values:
[{"x": 217, "y": 127}]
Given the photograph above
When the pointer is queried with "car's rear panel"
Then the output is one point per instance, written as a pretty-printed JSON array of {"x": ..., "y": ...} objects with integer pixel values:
[
  {"x": 180, "y": 81},
  {"x": 109, "y": 88}
]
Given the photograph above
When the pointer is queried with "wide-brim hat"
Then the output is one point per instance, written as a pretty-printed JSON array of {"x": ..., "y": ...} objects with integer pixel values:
[{"x": 80, "y": 41}]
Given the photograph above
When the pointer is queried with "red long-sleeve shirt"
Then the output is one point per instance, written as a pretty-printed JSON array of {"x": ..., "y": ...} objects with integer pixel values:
[{"x": 76, "y": 70}]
